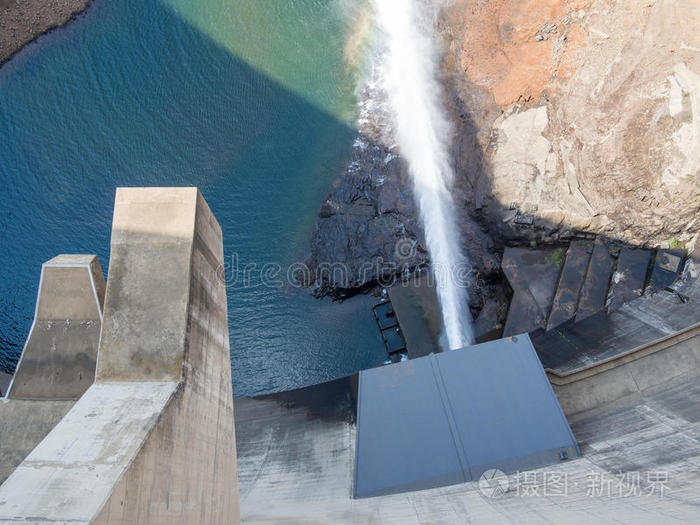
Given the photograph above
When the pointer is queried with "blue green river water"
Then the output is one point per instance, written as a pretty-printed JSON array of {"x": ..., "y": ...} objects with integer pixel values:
[{"x": 250, "y": 100}]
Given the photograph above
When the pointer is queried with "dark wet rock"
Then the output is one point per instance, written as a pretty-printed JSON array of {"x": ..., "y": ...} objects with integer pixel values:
[
  {"x": 489, "y": 323},
  {"x": 368, "y": 231}
]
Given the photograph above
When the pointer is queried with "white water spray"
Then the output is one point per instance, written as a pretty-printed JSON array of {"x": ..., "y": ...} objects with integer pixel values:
[{"x": 422, "y": 131}]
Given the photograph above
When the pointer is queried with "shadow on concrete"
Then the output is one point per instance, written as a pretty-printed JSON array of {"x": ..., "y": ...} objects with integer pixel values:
[{"x": 332, "y": 401}]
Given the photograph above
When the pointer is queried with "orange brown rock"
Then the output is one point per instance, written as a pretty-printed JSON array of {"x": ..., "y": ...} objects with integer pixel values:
[{"x": 500, "y": 49}]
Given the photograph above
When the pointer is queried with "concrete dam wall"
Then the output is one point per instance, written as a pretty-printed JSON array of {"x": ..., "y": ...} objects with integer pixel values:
[
  {"x": 121, "y": 408},
  {"x": 143, "y": 410}
]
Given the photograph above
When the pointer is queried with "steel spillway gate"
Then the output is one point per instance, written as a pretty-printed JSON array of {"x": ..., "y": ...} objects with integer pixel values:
[{"x": 447, "y": 418}]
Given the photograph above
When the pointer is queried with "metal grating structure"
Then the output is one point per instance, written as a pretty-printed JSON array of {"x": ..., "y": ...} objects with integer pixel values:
[{"x": 389, "y": 328}]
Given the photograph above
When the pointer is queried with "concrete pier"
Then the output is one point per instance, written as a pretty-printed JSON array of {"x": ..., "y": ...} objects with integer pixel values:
[
  {"x": 152, "y": 440},
  {"x": 58, "y": 361},
  {"x": 166, "y": 320}
]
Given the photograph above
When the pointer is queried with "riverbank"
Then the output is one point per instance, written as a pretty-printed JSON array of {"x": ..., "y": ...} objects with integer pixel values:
[{"x": 23, "y": 22}]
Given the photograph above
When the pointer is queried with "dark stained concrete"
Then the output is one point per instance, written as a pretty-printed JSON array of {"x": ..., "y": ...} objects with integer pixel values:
[
  {"x": 595, "y": 287},
  {"x": 651, "y": 341},
  {"x": 533, "y": 275},
  {"x": 418, "y": 311},
  {"x": 570, "y": 282},
  {"x": 629, "y": 277},
  {"x": 4, "y": 382},
  {"x": 668, "y": 265},
  {"x": 576, "y": 345},
  {"x": 23, "y": 424},
  {"x": 334, "y": 400},
  {"x": 58, "y": 360}
]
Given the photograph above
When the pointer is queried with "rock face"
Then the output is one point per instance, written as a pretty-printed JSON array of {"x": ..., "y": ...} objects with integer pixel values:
[
  {"x": 573, "y": 118},
  {"x": 586, "y": 114},
  {"x": 368, "y": 231},
  {"x": 23, "y": 21},
  {"x": 367, "y": 228}
]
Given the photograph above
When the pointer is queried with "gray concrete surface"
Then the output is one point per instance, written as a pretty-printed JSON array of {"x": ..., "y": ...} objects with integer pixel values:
[
  {"x": 58, "y": 359},
  {"x": 143, "y": 333},
  {"x": 639, "y": 466},
  {"x": 71, "y": 473},
  {"x": 152, "y": 440},
  {"x": 186, "y": 471},
  {"x": 670, "y": 360},
  {"x": 23, "y": 424}
]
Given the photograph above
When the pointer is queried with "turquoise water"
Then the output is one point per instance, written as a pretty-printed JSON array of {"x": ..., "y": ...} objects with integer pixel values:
[{"x": 248, "y": 100}]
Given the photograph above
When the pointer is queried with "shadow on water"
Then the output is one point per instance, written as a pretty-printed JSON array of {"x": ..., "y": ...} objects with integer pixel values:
[{"x": 132, "y": 95}]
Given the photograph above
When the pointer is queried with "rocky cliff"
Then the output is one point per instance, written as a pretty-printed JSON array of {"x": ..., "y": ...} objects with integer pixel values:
[
  {"x": 578, "y": 116},
  {"x": 573, "y": 118}
]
